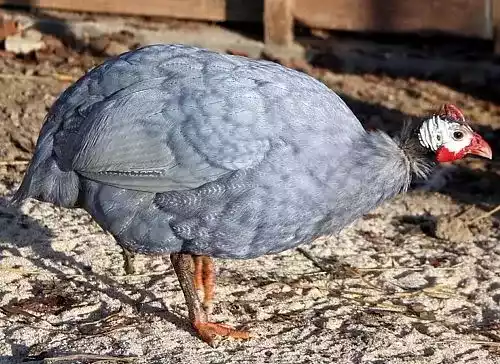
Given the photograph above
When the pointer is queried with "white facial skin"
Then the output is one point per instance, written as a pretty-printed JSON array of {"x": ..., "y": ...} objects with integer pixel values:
[{"x": 437, "y": 132}]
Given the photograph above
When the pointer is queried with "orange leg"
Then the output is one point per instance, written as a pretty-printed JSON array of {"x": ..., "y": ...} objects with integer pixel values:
[
  {"x": 198, "y": 272},
  {"x": 204, "y": 279},
  {"x": 183, "y": 266}
]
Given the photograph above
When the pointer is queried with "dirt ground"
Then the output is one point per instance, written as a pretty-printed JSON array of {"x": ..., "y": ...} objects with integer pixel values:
[{"x": 416, "y": 281}]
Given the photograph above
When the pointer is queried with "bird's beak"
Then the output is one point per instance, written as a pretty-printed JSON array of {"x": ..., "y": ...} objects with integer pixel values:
[{"x": 479, "y": 147}]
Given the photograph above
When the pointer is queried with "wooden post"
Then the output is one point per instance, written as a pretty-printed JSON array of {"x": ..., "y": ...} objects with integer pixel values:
[
  {"x": 278, "y": 22},
  {"x": 495, "y": 4}
]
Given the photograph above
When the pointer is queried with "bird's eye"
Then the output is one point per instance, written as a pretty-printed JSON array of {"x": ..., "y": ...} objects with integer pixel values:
[{"x": 458, "y": 135}]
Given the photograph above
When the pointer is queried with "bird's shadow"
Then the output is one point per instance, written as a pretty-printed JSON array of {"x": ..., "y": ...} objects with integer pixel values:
[{"x": 18, "y": 231}]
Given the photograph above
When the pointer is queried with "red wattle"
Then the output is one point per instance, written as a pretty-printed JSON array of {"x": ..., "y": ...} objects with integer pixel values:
[{"x": 445, "y": 155}]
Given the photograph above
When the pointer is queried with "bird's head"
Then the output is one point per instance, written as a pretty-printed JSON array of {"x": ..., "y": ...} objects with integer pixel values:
[{"x": 447, "y": 134}]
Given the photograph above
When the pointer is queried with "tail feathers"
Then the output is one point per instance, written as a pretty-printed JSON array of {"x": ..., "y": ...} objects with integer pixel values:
[
  {"x": 23, "y": 192},
  {"x": 45, "y": 181},
  {"x": 19, "y": 196}
]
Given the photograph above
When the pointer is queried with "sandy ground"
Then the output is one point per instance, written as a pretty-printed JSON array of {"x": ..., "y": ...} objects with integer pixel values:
[{"x": 416, "y": 281}]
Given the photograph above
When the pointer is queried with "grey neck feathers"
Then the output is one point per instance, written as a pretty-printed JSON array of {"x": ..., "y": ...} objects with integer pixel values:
[
  {"x": 374, "y": 170},
  {"x": 418, "y": 145},
  {"x": 377, "y": 168}
]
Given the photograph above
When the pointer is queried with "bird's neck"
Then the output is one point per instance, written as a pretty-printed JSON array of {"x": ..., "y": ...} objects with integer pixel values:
[
  {"x": 421, "y": 160},
  {"x": 376, "y": 169}
]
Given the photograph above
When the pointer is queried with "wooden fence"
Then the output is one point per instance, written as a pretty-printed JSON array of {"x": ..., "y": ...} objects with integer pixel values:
[{"x": 474, "y": 18}]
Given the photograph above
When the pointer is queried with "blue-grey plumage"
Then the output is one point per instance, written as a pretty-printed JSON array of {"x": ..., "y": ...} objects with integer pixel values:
[{"x": 179, "y": 149}]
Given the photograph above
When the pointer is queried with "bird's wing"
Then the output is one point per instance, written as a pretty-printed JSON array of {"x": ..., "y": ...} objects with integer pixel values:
[
  {"x": 147, "y": 140},
  {"x": 175, "y": 118}
]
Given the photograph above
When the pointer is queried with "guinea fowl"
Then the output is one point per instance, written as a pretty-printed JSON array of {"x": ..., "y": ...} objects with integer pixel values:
[{"x": 183, "y": 151}]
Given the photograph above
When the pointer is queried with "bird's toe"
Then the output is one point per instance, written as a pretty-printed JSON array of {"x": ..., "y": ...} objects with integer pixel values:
[{"x": 208, "y": 331}]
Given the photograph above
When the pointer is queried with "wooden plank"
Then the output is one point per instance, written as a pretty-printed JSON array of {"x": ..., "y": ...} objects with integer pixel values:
[
  {"x": 278, "y": 22},
  {"x": 213, "y": 10},
  {"x": 463, "y": 17}
]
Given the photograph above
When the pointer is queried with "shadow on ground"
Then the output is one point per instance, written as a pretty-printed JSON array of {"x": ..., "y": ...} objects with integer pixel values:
[
  {"x": 468, "y": 65},
  {"x": 18, "y": 230}
]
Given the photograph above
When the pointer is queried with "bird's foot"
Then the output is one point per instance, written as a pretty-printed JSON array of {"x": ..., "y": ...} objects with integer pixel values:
[
  {"x": 208, "y": 331},
  {"x": 202, "y": 276}
]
